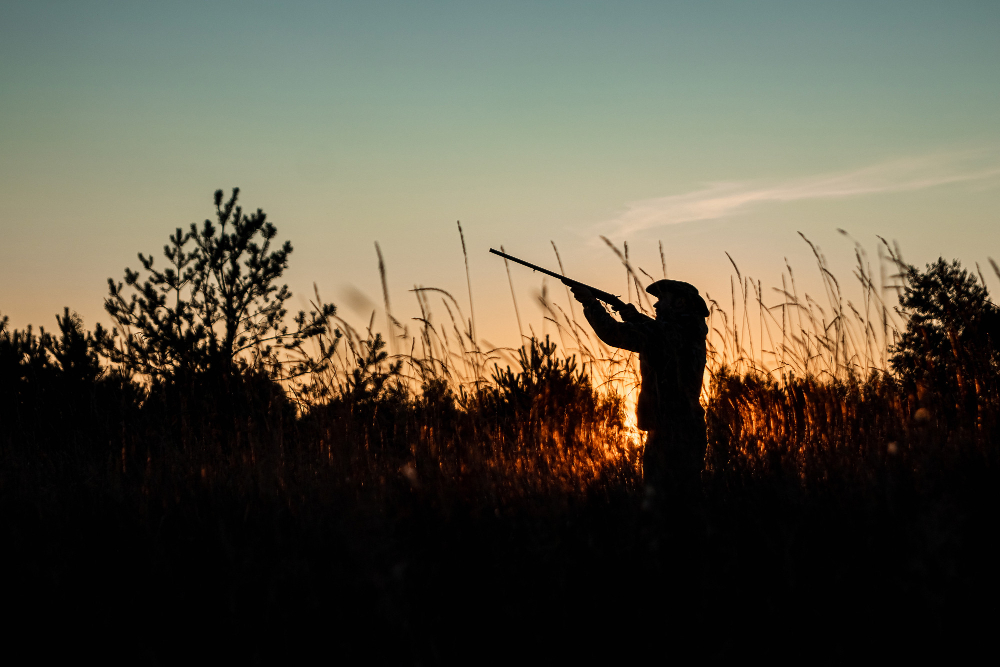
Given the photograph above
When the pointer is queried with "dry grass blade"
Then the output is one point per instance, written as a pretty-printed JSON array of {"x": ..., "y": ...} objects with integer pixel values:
[
  {"x": 569, "y": 298},
  {"x": 390, "y": 334},
  {"x": 468, "y": 281},
  {"x": 513, "y": 295}
]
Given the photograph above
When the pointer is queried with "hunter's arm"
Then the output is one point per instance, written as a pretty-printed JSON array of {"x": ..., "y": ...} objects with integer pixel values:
[{"x": 629, "y": 335}]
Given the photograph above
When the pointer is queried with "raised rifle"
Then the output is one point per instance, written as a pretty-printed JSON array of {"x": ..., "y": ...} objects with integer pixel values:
[{"x": 607, "y": 297}]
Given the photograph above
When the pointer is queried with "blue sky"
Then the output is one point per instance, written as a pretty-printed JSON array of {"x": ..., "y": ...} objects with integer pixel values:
[{"x": 710, "y": 126}]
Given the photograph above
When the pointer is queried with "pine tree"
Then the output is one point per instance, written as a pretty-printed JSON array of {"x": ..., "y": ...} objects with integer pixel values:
[{"x": 216, "y": 307}]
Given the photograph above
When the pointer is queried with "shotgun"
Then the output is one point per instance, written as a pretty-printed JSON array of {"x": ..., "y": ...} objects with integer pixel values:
[{"x": 607, "y": 297}]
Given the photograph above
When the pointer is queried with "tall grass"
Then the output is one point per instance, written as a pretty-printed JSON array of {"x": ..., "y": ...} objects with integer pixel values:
[
  {"x": 793, "y": 382},
  {"x": 795, "y": 385},
  {"x": 791, "y": 378}
]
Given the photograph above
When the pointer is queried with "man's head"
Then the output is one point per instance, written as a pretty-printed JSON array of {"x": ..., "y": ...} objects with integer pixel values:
[{"x": 677, "y": 297}]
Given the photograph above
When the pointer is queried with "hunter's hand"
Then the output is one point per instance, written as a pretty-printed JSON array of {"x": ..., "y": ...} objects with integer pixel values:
[
  {"x": 617, "y": 304},
  {"x": 581, "y": 293},
  {"x": 628, "y": 311}
]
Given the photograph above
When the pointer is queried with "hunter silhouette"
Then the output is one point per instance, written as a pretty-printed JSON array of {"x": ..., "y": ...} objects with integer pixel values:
[{"x": 671, "y": 351}]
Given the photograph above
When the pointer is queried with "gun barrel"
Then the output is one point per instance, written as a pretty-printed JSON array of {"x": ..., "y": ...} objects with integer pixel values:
[
  {"x": 527, "y": 264},
  {"x": 607, "y": 297}
]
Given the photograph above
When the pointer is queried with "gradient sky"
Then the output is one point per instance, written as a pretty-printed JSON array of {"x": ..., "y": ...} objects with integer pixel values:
[{"x": 711, "y": 126}]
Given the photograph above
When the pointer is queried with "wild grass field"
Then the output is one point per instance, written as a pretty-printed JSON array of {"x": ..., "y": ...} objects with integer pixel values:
[{"x": 219, "y": 479}]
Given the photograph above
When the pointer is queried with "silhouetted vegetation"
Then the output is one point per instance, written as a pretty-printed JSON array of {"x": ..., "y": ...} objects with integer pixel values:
[
  {"x": 208, "y": 480},
  {"x": 216, "y": 307}
]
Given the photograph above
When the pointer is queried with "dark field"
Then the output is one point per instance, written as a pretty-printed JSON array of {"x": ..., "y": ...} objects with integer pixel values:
[
  {"x": 262, "y": 545},
  {"x": 431, "y": 507}
]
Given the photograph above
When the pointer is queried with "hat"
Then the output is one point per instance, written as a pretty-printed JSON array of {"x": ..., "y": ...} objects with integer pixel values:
[{"x": 686, "y": 291}]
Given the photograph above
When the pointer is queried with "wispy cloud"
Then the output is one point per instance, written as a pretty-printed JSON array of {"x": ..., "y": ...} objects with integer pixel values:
[{"x": 720, "y": 200}]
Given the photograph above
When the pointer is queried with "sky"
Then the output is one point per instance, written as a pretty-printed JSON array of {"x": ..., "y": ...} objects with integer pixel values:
[{"x": 709, "y": 127}]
